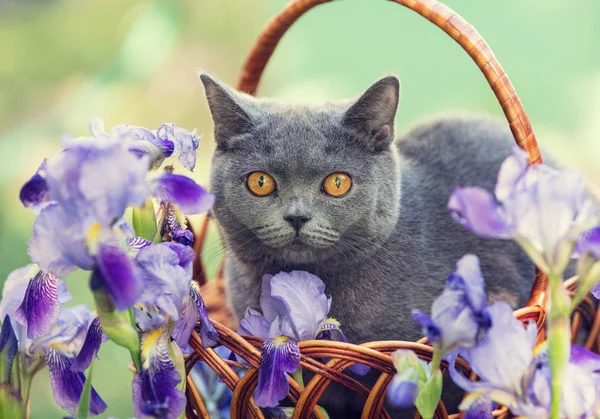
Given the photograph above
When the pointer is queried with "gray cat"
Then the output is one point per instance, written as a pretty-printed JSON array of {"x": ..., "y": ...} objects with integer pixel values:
[{"x": 384, "y": 246}]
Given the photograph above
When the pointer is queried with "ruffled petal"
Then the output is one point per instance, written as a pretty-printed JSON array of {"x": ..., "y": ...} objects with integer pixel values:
[
  {"x": 185, "y": 143},
  {"x": 504, "y": 354},
  {"x": 165, "y": 282},
  {"x": 208, "y": 333},
  {"x": 67, "y": 385},
  {"x": 182, "y": 191},
  {"x": 279, "y": 356},
  {"x": 15, "y": 288},
  {"x": 476, "y": 209},
  {"x": 254, "y": 324},
  {"x": 188, "y": 318},
  {"x": 98, "y": 180},
  {"x": 35, "y": 191},
  {"x": 155, "y": 392},
  {"x": 304, "y": 299},
  {"x": 511, "y": 173},
  {"x": 58, "y": 242},
  {"x": 185, "y": 254},
  {"x": 40, "y": 307},
  {"x": 69, "y": 332},
  {"x": 119, "y": 275},
  {"x": 93, "y": 339},
  {"x": 402, "y": 393}
]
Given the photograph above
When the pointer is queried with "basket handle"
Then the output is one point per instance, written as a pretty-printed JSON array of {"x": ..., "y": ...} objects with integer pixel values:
[{"x": 459, "y": 30}]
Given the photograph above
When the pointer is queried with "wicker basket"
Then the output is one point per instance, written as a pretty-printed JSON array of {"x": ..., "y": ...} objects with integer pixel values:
[{"x": 374, "y": 354}]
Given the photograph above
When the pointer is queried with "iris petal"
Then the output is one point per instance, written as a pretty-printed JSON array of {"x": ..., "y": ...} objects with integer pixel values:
[
  {"x": 9, "y": 345},
  {"x": 589, "y": 241},
  {"x": 432, "y": 332},
  {"x": 165, "y": 283},
  {"x": 254, "y": 324},
  {"x": 67, "y": 385},
  {"x": 58, "y": 242},
  {"x": 182, "y": 191},
  {"x": 155, "y": 392},
  {"x": 476, "y": 209},
  {"x": 480, "y": 409},
  {"x": 279, "y": 356},
  {"x": 15, "y": 288},
  {"x": 585, "y": 358},
  {"x": 511, "y": 172},
  {"x": 119, "y": 275},
  {"x": 208, "y": 333},
  {"x": 402, "y": 393},
  {"x": 185, "y": 324},
  {"x": 40, "y": 307},
  {"x": 35, "y": 191},
  {"x": 304, "y": 299},
  {"x": 93, "y": 339}
]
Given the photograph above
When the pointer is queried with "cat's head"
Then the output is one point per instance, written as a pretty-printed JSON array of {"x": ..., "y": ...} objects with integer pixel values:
[{"x": 300, "y": 184}]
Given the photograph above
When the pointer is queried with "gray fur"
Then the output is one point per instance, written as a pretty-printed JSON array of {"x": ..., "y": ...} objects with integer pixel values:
[{"x": 386, "y": 247}]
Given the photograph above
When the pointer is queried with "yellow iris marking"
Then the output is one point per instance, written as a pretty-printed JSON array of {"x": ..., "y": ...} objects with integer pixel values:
[
  {"x": 93, "y": 237},
  {"x": 150, "y": 341},
  {"x": 280, "y": 340}
]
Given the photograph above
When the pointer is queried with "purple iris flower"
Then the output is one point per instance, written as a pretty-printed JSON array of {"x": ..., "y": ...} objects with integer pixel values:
[
  {"x": 512, "y": 375},
  {"x": 58, "y": 348},
  {"x": 155, "y": 392},
  {"x": 185, "y": 143},
  {"x": 458, "y": 315},
  {"x": 166, "y": 273},
  {"x": 33, "y": 299},
  {"x": 588, "y": 247},
  {"x": 294, "y": 308},
  {"x": 543, "y": 209},
  {"x": 411, "y": 373},
  {"x": 88, "y": 187},
  {"x": 139, "y": 140},
  {"x": 63, "y": 337}
]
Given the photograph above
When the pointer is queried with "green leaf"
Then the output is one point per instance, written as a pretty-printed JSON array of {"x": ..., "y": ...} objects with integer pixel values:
[
  {"x": 10, "y": 403},
  {"x": 323, "y": 411},
  {"x": 118, "y": 326},
  {"x": 84, "y": 401},
  {"x": 177, "y": 358},
  {"x": 429, "y": 395},
  {"x": 144, "y": 220}
]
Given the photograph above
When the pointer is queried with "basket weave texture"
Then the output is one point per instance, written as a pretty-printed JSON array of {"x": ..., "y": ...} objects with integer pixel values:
[{"x": 374, "y": 354}]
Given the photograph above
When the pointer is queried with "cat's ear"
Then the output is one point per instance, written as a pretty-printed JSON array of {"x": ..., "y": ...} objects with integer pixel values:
[
  {"x": 372, "y": 115},
  {"x": 227, "y": 109}
]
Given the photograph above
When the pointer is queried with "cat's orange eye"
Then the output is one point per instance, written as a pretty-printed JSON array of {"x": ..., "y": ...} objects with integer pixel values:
[
  {"x": 261, "y": 183},
  {"x": 337, "y": 184}
]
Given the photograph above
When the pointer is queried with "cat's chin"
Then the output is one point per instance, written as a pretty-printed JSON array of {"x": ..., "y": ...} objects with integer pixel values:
[{"x": 298, "y": 251}]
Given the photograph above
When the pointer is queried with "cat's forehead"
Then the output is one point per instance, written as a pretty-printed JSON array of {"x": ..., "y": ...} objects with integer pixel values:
[{"x": 301, "y": 140}]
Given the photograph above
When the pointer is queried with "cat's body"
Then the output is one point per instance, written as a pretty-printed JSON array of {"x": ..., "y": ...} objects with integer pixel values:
[
  {"x": 375, "y": 291},
  {"x": 396, "y": 242}
]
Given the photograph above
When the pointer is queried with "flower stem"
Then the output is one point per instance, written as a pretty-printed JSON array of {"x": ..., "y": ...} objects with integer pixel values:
[
  {"x": 435, "y": 361},
  {"x": 559, "y": 337}
]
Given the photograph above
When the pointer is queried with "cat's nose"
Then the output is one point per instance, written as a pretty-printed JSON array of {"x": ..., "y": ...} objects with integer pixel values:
[{"x": 297, "y": 221}]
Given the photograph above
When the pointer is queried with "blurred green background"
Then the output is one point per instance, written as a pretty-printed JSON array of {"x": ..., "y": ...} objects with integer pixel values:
[{"x": 136, "y": 61}]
